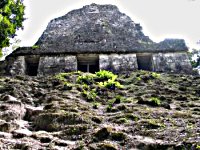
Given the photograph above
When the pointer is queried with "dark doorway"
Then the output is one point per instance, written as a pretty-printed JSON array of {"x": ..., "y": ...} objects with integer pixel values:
[
  {"x": 82, "y": 67},
  {"x": 88, "y": 63},
  {"x": 32, "y": 63},
  {"x": 144, "y": 62}
]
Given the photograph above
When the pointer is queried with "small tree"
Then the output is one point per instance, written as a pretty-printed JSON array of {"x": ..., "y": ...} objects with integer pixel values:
[
  {"x": 11, "y": 18},
  {"x": 194, "y": 57}
]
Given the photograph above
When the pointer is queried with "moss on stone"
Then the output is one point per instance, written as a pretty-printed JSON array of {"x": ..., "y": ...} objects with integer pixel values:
[
  {"x": 58, "y": 121},
  {"x": 118, "y": 136}
]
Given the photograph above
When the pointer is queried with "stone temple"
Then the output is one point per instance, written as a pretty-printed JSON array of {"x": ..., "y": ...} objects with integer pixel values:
[{"x": 96, "y": 37}]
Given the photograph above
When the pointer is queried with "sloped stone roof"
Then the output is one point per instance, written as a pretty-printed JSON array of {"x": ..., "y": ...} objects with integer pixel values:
[{"x": 98, "y": 29}]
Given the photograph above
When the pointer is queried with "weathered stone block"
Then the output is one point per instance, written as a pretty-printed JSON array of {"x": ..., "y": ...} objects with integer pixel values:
[
  {"x": 118, "y": 63},
  {"x": 2, "y": 66},
  {"x": 18, "y": 67},
  {"x": 54, "y": 64},
  {"x": 171, "y": 62}
]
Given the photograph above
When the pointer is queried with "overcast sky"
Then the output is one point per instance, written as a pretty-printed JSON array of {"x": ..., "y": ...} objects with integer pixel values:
[{"x": 159, "y": 18}]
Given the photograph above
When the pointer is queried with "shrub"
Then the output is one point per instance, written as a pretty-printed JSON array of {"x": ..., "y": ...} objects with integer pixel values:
[
  {"x": 154, "y": 124},
  {"x": 92, "y": 84},
  {"x": 90, "y": 95},
  {"x": 110, "y": 84},
  {"x": 118, "y": 99},
  {"x": 86, "y": 79},
  {"x": 111, "y": 102},
  {"x": 155, "y": 75},
  {"x": 155, "y": 101},
  {"x": 105, "y": 75},
  {"x": 96, "y": 105},
  {"x": 61, "y": 76},
  {"x": 109, "y": 108},
  {"x": 67, "y": 86},
  {"x": 138, "y": 78}
]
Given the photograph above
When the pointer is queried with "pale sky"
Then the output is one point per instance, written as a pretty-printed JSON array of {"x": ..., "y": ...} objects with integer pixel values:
[{"x": 159, "y": 18}]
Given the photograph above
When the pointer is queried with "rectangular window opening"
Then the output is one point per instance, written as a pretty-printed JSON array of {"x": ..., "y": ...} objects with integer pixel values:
[
  {"x": 144, "y": 61},
  {"x": 88, "y": 63}
]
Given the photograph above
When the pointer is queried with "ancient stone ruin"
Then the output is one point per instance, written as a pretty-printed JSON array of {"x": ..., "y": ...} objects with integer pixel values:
[{"x": 96, "y": 37}]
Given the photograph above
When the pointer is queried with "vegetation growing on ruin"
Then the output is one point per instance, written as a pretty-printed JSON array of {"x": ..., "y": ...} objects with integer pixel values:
[{"x": 73, "y": 107}]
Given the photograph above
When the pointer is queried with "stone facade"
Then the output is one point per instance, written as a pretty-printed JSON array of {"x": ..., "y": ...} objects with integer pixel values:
[
  {"x": 18, "y": 67},
  {"x": 171, "y": 62},
  {"x": 118, "y": 63},
  {"x": 53, "y": 64}
]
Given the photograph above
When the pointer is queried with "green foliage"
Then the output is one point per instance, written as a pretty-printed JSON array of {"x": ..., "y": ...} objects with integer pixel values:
[
  {"x": 1, "y": 54},
  {"x": 108, "y": 80},
  {"x": 154, "y": 124},
  {"x": 91, "y": 84},
  {"x": 110, "y": 84},
  {"x": 90, "y": 94},
  {"x": 61, "y": 76},
  {"x": 118, "y": 136},
  {"x": 35, "y": 46},
  {"x": 155, "y": 75},
  {"x": 106, "y": 75},
  {"x": 111, "y": 102},
  {"x": 155, "y": 101},
  {"x": 63, "y": 79},
  {"x": 109, "y": 108},
  {"x": 86, "y": 79},
  {"x": 198, "y": 147},
  {"x": 192, "y": 54},
  {"x": 118, "y": 99},
  {"x": 67, "y": 86},
  {"x": 96, "y": 105},
  {"x": 11, "y": 18}
]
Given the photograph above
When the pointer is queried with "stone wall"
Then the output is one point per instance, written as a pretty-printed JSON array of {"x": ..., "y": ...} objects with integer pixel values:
[
  {"x": 171, "y": 62},
  {"x": 18, "y": 67},
  {"x": 55, "y": 64},
  {"x": 118, "y": 63},
  {"x": 2, "y": 67}
]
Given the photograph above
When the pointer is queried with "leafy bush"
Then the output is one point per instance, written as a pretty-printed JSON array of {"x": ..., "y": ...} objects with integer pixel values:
[
  {"x": 90, "y": 95},
  {"x": 86, "y": 79},
  {"x": 61, "y": 76},
  {"x": 91, "y": 84},
  {"x": 105, "y": 75},
  {"x": 110, "y": 84},
  {"x": 67, "y": 86},
  {"x": 155, "y": 75},
  {"x": 118, "y": 99},
  {"x": 62, "y": 79},
  {"x": 155, "y": 101},
  {"x": 108, "y": 80},
  {"x": 96, "y": 105}
]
